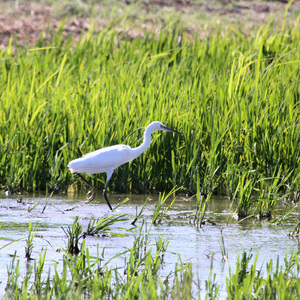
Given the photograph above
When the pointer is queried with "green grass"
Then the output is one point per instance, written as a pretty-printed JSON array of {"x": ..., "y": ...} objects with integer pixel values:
[
  {"x": 276, "y": 282},
  {"x": 235, "y": 98}
]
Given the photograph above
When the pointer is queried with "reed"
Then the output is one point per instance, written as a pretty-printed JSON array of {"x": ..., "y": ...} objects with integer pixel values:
[{"x": 234, "y": 97}]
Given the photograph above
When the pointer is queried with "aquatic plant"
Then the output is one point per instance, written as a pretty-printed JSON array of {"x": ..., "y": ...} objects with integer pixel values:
[
  {"x": 202, "y": 202},
  {"x": 211, "y": 285},
  {"x": 84, "y": 275},
  {"x": 74, "y": 234},
  {"x": 243, "y": 281},
  {"x": 138, "y": 215},
  {"x": 243, "y": 197},
  {"x": 38, "y": 272},
  {"x": 103, "y": 226},
  {"x": 13, "y": 271},
  {"x": 183, "y": 281},
  {"x": 224, "y": 253},
  {"x": 296, "y": 231},
  {"x": 160, "y": 212},
  {"x": 137, "y": 254},
  {"x": 277, "y": 282},
  {"x": 251, "y": 198},
  {"x": 29, "y": 243}
]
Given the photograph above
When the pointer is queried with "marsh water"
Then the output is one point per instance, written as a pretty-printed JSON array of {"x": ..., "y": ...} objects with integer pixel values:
[{"x": 195, "y": 245}]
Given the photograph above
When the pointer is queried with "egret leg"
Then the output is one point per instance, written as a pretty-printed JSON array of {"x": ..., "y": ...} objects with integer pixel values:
[
  {"x": 92, "y": 191},
  {"x": 109, "y": 173},
  {"x": 104, "y": 194}
]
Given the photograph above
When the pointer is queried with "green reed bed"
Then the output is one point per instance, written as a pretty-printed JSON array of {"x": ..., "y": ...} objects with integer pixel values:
[{"x": 234, "y": 97}]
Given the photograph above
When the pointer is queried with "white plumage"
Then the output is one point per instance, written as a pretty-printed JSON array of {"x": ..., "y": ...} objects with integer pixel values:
[{"x": 101, "y": 160}]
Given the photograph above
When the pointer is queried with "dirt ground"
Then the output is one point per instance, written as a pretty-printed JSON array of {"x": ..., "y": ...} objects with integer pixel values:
[{"x": 27, "y": 20}]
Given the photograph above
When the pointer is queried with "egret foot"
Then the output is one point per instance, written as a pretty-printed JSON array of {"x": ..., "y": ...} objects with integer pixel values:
[
  {"x": 90, "y": 198},
  {"x": 92, "y": 191}
]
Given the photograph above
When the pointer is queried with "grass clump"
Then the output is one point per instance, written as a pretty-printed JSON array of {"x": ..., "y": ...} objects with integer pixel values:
[
  {"x": 160, "y": 214},
  {"x": 74, "y": 234},
  {"x": 202, "y": 202},
  {"x": 29, "y": 243},
  {"x": 278, "y": 282},
  {"x": 102, "y": 226}
]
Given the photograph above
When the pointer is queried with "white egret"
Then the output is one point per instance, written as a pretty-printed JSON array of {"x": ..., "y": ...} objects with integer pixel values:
[{"x": 110, "y": 158}]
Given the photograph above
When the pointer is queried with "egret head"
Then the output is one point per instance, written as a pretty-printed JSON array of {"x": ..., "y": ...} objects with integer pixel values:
[{"x": 160, "y": 126}]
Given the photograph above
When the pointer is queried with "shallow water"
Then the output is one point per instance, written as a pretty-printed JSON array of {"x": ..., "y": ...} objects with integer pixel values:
[{"x": 196, "y": 245}]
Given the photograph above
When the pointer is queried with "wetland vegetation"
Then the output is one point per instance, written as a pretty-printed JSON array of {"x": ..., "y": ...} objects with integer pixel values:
[
  {"x": 235, "y": 98},
  {"x": 79, "y": 254}
]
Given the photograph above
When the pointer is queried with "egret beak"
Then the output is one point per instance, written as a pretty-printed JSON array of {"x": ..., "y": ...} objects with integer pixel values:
[{"x": 169, "y": 129}]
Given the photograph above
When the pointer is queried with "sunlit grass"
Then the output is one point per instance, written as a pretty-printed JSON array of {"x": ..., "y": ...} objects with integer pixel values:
[{"x": 235, "y": 98}]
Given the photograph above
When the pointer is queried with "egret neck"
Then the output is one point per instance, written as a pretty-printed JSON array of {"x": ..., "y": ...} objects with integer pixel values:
[{"x": 146, "y": 143}]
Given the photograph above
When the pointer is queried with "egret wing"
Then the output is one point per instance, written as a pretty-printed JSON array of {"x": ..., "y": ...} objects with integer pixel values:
[{"x": 101, "y": 160}]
